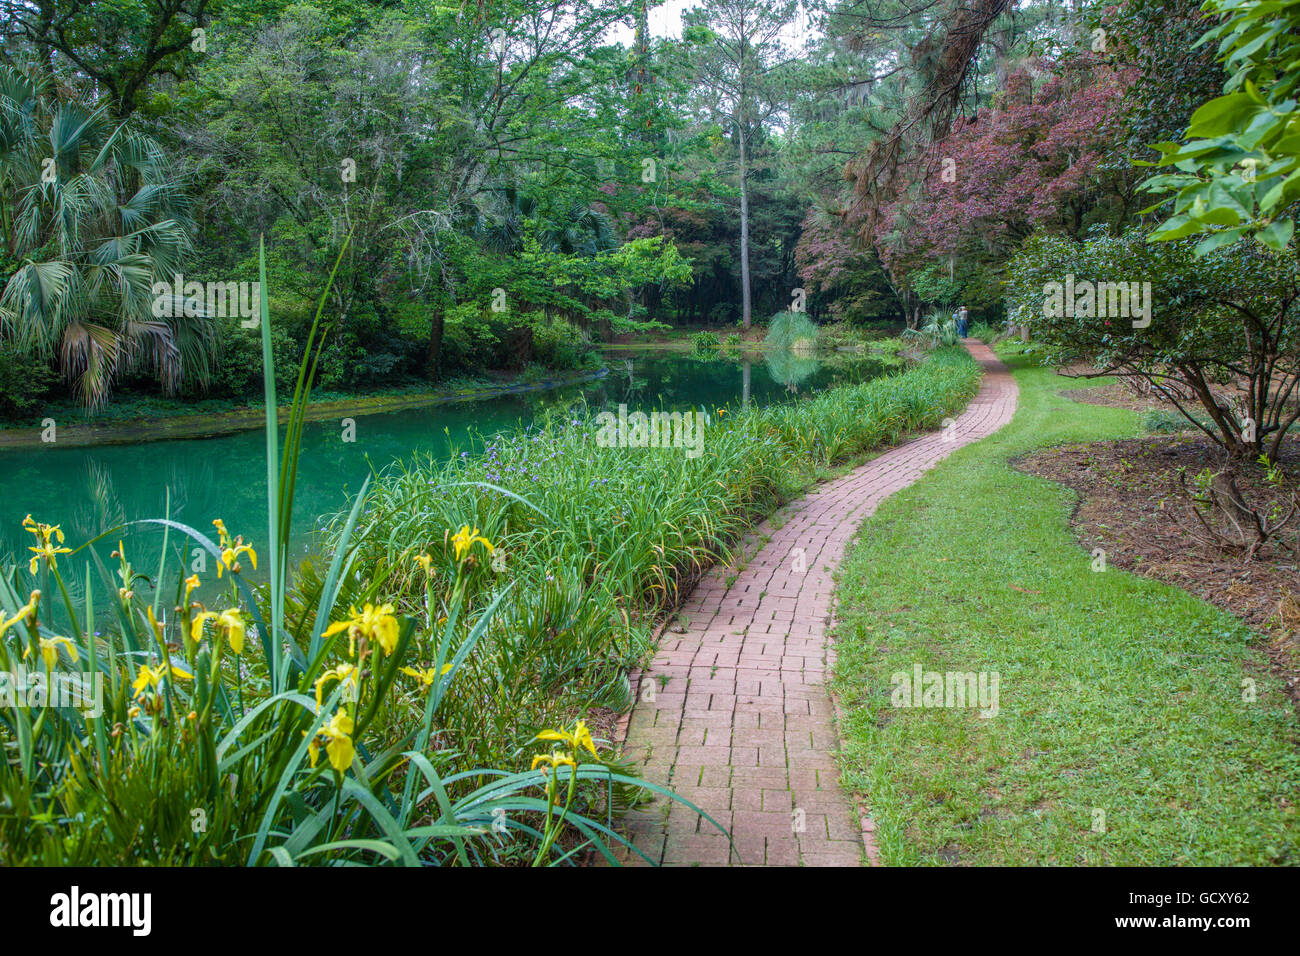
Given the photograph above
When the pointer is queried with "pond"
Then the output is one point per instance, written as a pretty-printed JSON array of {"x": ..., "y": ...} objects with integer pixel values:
[{"x": 89, "y": 490}]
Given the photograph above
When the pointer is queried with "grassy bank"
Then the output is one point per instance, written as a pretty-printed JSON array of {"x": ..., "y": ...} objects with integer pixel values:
[
  {"x": 1122, "y": 736},
  {"x": 596, "y": 541}
]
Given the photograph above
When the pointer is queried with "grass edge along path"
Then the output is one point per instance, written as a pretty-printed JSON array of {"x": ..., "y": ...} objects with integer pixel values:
[
  {"x": 733, "y": 712},
  {"x": 1125, "y": 733}
]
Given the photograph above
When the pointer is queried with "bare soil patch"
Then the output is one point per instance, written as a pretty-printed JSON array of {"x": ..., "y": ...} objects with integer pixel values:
[
  {"x": 1129, "y": 498},
  {"x": 1117, "y": 395}
]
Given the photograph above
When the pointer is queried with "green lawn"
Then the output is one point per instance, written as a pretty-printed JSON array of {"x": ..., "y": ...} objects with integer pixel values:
[{"x": 1116, "y": 693}]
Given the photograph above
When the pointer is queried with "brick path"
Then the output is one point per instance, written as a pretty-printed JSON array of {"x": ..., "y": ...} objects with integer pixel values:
[{"x": 743, "y": 726}]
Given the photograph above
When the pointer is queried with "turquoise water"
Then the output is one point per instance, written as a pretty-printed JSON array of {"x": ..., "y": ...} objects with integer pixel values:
[{"x": 95, "y": 489}]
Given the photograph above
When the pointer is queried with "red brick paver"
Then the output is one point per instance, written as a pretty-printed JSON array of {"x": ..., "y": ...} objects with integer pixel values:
[{"x": 733, "y": 713}]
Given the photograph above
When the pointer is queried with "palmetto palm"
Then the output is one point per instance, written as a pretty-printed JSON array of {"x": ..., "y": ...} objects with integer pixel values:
[
  {"x": 92, "y": 217},
  {"x": 578, "y": 230}
]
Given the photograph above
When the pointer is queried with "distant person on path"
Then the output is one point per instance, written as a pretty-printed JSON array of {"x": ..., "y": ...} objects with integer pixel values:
[{"x": 961, "y": 322}]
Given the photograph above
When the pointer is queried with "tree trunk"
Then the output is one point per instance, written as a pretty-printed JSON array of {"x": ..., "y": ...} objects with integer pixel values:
[{"x": 746, "y": 311}]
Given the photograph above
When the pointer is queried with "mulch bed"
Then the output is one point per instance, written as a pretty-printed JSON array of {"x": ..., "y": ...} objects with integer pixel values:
[
  {"x": 1129, "y": 495},
  {"x": 1115, "y": 396}
]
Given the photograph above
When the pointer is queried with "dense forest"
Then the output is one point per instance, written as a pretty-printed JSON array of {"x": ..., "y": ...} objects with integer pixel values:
[{"x": 503, "y": 183}]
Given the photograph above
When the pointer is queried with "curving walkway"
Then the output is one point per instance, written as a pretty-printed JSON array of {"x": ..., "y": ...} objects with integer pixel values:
[{"x": 733, "y": 712}]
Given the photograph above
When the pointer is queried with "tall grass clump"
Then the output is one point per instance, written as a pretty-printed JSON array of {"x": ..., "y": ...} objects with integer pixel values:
[
  {"x": 791, "y": 331},
  {"x": 594, "y": 542},
  {"x": 305, "y": 721}
]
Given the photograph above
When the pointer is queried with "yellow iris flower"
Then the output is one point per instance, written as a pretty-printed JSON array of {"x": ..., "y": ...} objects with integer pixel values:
[
  {"x": 554, "y": 759},
  {"x": 153, "y": 623},
  {"x": 232, "y": 549},
  {"x": 344, "y": 674},
  {"x": 45, "y": 546},
  {"x": 50, "y": 650},
  {"x": 579, "y": 738},
  {"x": 426, "y": 675},
  {"x": 149, "y": 678},
  {"x": 191, "y": 583},
  {"x": 371, "y": 622},
  {"x": 230, "y": 556},
  {"x": 24, "y": 612},
  {"x": 338, "y": 742},
  {"x": 464, "y": 539},
  {"x": 230, "y": 623}
]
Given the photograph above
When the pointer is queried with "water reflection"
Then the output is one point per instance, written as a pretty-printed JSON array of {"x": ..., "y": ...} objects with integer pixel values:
[
  {"x": 91, "y": 490},
  {"x": 791, "y": 368}
]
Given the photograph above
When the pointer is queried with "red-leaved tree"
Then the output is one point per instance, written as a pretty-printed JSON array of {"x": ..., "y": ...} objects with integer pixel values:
[{"x": 1039, "y": 160}]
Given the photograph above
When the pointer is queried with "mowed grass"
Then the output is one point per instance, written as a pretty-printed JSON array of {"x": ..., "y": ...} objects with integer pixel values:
[{"x": 1117, "y": 693}]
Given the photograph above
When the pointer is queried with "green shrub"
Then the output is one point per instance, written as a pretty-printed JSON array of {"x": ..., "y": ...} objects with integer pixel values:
[
  {"x": 705, "y": 341},
  {"x": 1169, "y": 315},
  {"x": 937, "y": 331},
  {"x": 414, "y": 320},
  {"x": 26, "y": 383},
  {"x": 1236, "y": 169},
  {"x": 560, "y": 345},
  {"x": 843, "y": 334},
  {"x": 724, "y": 313},
  {"x": 468, "y": 341},
  {"x": 237, "y": 366},
  {"x": 1163, "y": 422}
]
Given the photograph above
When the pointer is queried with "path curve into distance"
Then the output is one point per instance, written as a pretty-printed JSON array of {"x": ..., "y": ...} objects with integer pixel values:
[{"x": 743, "y": 726}]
